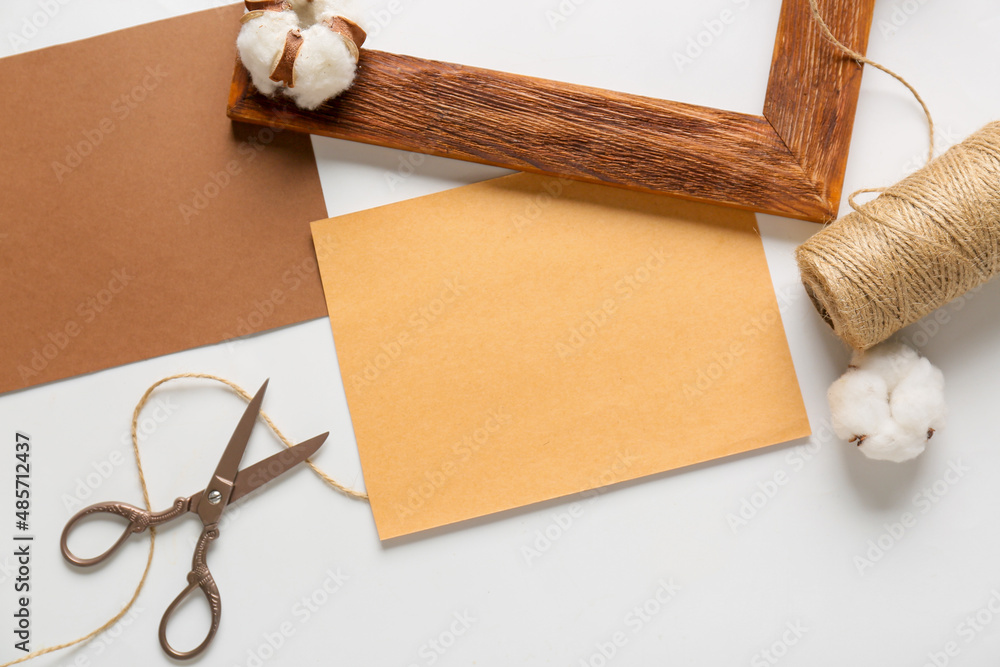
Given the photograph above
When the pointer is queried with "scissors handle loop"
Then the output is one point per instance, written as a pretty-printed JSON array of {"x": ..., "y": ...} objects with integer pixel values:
[
  {"x": 199, "y": 577},
  {"x": 138, "y": 521}
]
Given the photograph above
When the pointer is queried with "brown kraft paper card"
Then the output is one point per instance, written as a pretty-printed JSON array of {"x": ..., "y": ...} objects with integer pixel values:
[{"x": 135, "y": 218}]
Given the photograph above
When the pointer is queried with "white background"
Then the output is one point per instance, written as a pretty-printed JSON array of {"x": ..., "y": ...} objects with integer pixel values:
[{"x": 740, "y": 586}]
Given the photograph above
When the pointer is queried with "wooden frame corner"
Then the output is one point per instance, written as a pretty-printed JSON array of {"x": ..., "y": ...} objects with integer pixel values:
[{"x": 789, "y": 160}]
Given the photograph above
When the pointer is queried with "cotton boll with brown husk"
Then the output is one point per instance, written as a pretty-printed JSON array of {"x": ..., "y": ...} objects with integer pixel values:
[
  {"x": 260, "y": 39},
  {"x": 890, "y": 402},
  {"x": 306, "y": 49}
]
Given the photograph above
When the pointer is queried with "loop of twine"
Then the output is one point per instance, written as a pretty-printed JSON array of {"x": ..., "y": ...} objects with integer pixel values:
[
  {"x": 813, "y": 5},
  {"x": 145, "y": 499}
]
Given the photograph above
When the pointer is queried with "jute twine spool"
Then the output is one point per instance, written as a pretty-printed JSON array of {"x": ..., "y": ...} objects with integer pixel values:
[{"x": 923, "y": 242}]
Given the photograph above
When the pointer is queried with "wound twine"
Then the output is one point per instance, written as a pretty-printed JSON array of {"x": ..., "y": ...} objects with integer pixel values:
[
  {"x": 921, "y": 243},
  {"x": 145, "y": 499}
]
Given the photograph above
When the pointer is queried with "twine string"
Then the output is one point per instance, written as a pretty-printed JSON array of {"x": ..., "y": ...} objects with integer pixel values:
[
  {"x": 932, "y": 238},
  {"x": 922, "y": 242},
  {"x": 926, "y": 240},
  {"x": 861, "y": 59},
  {"x": 351, "y": 493}
]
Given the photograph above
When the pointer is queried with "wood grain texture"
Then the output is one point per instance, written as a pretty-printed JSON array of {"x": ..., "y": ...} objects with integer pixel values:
[
  {"x": 600, "y": 136},
  {"x": 812, "y": 93}
]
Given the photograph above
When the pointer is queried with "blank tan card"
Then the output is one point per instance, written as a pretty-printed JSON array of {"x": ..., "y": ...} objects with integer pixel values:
[
  {"x": 137, "y": 220},
  {"x": 526, "y": 338}
]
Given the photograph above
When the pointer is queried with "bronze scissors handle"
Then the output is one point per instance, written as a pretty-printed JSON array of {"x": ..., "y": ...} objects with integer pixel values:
[
  {"x": 198, "y": 577},
  {"x": 138, "y": 521}
]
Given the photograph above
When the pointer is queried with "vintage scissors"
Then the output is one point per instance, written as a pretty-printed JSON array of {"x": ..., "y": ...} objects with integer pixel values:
[{"x": 227, "y": 485}]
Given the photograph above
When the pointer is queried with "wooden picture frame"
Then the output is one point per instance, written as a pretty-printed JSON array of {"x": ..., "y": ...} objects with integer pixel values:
[{"x": 789, "y": 160}]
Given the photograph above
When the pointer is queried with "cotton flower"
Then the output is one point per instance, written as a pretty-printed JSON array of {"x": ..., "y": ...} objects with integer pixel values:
[
  {"x": 890, "y": 402},
  {"x": 305, "y": 49}
]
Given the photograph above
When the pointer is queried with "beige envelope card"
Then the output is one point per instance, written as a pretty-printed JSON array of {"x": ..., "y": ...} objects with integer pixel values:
[{"x": 531, "y": 337}]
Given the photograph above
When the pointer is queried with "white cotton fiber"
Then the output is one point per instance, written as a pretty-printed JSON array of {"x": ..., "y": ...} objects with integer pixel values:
[
  {"x": 892, "y": 361},
  {"x": 260, "y": 43},
  {"x": 306, "y": 10},
  {"x": 325, "y": 64},
  {"x": 893, "y": 443},
  {"x": 858, "y": 400},
  {"x": 347, "y": 8},
  {"x": 323, "y": 69},
  {"x": 890, "y": 402},
  {"x": 917, "y": 402}
]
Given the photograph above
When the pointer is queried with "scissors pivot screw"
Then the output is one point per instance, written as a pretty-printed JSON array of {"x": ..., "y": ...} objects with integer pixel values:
[{"x": 214, "y": 497}]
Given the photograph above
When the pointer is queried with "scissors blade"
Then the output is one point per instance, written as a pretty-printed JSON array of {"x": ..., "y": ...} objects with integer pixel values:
[
  {"x": 262, "y": 472},
  {"x": 229, "y": 464}
]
